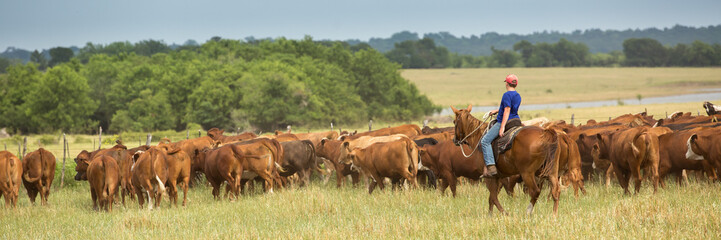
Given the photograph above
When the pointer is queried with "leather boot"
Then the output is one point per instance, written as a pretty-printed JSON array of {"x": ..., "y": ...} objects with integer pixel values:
[{"x": 491, "y": 172}]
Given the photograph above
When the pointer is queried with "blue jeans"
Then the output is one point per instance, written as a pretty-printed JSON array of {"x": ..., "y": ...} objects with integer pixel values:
[{"x": 486, "y": 144}]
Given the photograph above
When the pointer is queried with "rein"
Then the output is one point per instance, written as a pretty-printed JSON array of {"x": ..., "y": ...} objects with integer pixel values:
[{"x": 479, "y": 140}]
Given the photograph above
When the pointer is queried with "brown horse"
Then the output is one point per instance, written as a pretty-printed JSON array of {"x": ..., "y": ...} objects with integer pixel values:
[{"x": 533, "y": 154}]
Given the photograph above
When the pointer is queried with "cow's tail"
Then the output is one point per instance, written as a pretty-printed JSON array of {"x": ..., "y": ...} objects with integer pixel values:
[
  {"x": 413, "y": 154},
  {"x": 26, "y": 174},
  {"x": 312, "y": 156},
  {"x": 648, "y": 139},
  {"x": 106, "y": 183},
  {"x": 161, "y": 186},
  {"x": 278, "y": 153},
  {"x": 550, "y": 145}
]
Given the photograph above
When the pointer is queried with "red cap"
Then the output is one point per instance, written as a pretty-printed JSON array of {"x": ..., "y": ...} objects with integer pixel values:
[{"x": 511, "y": 79}]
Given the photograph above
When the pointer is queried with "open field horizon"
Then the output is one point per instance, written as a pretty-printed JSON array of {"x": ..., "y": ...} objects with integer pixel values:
[{"x": 484, "y": 86}]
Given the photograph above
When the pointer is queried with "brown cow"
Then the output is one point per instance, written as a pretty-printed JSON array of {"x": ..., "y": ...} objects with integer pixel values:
[
  {"x": 103, "y": 176},
  {"x": 191, "y": 147},
  {"x": 11, "y": 171},
  {"x": 217, "y": 135},
  {"x": 122, "y": 157},
  {"x": 427, "y": 130},
  {"x": 672, "y": 156},
  {"x": 38, "y": 174},
  {"x": 316, "y": 137},
  {"x": 330, "y": 149},
  {"x": 446, "y": 160},
  {"x": 410, "y": 130},
  {"x": 585, "y": 137},
  {"x": 227, "y": 164},
  {"x": 706, "y": 145},
  {"x": 631, "y": 150},
  {"x": 299, "y": 157},
  {"x": 178, "y": 172},
  {"x": 570, "y": 162},
  {"x": 443, "y": 136},
  {"x": 394, "y": 160},
  {"x": 149, "y": 174}
]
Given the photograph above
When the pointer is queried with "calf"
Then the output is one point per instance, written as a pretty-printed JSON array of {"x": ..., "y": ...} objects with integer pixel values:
[
  {"x": 395, "y": 160},
  {"x": 38, "y": 174},
  {"x": 330, "y": 150},
  {"x": 448, "y": 163},
  {"x": 103, "y": 176},
  {"x": 11, "y": 171}
]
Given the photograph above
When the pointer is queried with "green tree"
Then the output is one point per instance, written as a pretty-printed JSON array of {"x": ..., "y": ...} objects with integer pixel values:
[
  {"x": 148, "y": 112},
  {"x": 20, "y": 81},
  {"x": 151, "y": 47},
  {"x": 644, "y": 52},
  {"x": 39, "y": 59},
  {"x": 60, "y": 55},
  {"x": 61, "y": 101},
  {"x": 503, "y": 58}
]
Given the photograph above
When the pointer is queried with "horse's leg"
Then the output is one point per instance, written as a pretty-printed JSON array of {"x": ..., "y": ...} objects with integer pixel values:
[
  {"x": 493, "y": 188},
  {"x": 529, "y": 179}
]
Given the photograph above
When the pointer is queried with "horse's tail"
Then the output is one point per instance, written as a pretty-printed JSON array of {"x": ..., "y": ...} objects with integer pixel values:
[{"x": 550, "y": 146}]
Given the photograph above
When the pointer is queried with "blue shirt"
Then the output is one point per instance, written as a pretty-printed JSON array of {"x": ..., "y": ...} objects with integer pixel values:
[{"x": 510, "y": 99}]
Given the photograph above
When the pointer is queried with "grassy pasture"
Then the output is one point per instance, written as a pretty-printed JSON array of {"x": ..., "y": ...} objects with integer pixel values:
[
  {"x": 483, "y": 86},
  {"x": 324, "y": 212}
]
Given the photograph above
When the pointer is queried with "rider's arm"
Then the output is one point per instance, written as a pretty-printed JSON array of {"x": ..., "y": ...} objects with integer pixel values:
[{"x": 506, "y": 114}]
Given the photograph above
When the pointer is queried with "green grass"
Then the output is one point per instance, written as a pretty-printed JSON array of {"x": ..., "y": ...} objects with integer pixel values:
[
  {"x": 329, "y": 213},
  {"x": 483, "y": 86}
]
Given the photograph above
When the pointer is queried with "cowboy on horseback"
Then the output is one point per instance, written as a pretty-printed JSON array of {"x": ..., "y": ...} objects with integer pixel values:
[{"x": 508, "y": 110}]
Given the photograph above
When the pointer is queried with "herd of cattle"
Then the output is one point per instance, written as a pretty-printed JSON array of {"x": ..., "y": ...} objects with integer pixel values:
[{"x": 406, "y": 154}]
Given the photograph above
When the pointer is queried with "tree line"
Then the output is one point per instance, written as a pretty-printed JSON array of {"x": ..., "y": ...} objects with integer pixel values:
[
  {"x": 230, "y": 84},
  {"x": 637, "y": 52},
  {"x": 597, "y": 40}
]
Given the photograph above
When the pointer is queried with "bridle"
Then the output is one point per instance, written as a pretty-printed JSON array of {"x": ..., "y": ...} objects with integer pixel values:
[{"x": 479, "y": 140}]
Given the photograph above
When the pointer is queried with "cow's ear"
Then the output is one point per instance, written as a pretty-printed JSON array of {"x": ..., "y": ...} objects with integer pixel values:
[
  {"x": 599, "y": 137},
  {"x": 342, "y": 138},
  {"x": 346, "y": 144},
  {"x": 582, "y": 136},
  {"x": 693, "y": 138},
  {"x": 322, "y": 142}
]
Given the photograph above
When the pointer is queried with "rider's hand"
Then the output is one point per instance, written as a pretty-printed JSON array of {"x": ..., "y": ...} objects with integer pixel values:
[
  {"x": 488, "y": 114},
  {"x": 500, "y": 132}
]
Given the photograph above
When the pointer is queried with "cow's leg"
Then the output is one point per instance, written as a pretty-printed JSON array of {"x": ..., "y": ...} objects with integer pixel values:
[
  {"x": 216, "y": 189},
  {"x": 555, "y": 192},
  {"x": 530, "y": 181},
  {"x": 609, "y": 171},
  {"x": 355, "y": 178},
  {"x": 339, "y": 177},
  {"x": 173, "y": 193},
  {"x": 636, "y": 174},
  {"x": 186, "y": 181},
  {"x": 623, "y": 178},
  {"x": 93, "y": 195}
]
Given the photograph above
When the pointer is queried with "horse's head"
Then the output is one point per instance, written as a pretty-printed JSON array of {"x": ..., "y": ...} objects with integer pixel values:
[{"x": 462, "y": 124}]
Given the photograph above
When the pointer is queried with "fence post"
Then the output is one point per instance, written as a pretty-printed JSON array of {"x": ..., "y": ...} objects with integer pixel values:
[
  {"x": 93, "y": 143},
  {"x": 425, "y": 123},
  {"x": 6, "y": 146},
  {"x": 187, "y": 135},
  {"x": 140, "y": 143},
  {"x": 331, "y": 126},
  {"x": 370, "y": 125},
  {"x": 19, "y": 152},
  {"x": 62, "y": 174},
  {"x": 25, "y": 145},
  {"x": 573, "y": 116},
  {"x": 150, "y": 137},
  {"x": 698, "y": 113},
  {"x": 198, "y": 132},
  {"x": 100, "y": 138},
  {"x": 609, "y": 118},
  {"x": 666, "y": 114}
]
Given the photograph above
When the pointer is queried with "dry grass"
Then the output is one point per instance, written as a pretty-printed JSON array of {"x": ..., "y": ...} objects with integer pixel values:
[{"x": 483, "y": 86}]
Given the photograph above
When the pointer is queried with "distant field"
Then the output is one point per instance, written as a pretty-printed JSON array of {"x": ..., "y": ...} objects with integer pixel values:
[{"x": 484, "y": 86}]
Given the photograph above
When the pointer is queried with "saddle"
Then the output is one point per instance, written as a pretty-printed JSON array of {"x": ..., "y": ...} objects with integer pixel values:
[{"x": 503, "y": 144}]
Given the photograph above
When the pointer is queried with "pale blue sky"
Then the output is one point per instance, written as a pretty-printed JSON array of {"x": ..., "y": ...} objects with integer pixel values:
[{"x": 41, "y": 24}]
